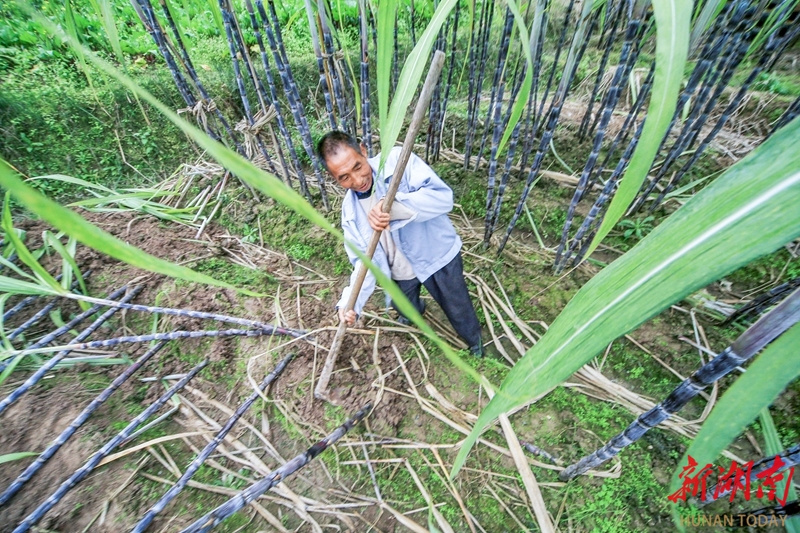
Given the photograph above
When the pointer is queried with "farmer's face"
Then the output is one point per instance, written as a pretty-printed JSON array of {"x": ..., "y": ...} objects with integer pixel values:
[{"x": 350, "y": 168}]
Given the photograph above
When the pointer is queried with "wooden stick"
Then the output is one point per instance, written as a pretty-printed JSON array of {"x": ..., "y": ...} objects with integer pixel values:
[{"x": 321, "y": 391}]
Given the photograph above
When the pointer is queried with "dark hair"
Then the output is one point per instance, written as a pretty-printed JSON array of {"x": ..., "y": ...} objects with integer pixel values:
[{"x": 332, "y": 142}]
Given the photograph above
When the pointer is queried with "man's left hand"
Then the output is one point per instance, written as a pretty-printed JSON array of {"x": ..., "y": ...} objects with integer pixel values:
[{"x": 378, "y": 220}]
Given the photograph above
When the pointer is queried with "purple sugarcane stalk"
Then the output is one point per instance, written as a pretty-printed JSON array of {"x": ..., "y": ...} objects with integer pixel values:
[
  {"x": 228, "y": 508},
  {"x": 173, "y": 335},
  {"x": 83, "y": 471},
  {"x": 159, "y": 506},
  {"x": 45, "y": 368},
  {"x": 198, "y": 314},
  {"x": 34, "y": 467},
  {"x": 771, "y": 326}
]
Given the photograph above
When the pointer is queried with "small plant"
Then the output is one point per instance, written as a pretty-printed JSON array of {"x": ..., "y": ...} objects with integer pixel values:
[{"x": 636, "y": 227}]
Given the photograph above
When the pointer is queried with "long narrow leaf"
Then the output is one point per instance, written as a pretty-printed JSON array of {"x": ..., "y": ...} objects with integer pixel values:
[
  {"x": 22, "y": 251},
  {"x": 386, "y": 18},
  {"x": 728, "y": 224},
  {"x": 522, "y": 97},
  {"x": 673, "y": 19},
  {"x": 75, "y": 226},
  {"x": 410, "y": 78}
]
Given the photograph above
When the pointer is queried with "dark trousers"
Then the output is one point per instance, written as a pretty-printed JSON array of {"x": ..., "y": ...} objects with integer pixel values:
[{"x": 448, "y": 288}]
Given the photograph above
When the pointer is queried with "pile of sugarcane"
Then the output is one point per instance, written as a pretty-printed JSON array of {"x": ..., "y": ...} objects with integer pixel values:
[{"x": 102, "y": 310}]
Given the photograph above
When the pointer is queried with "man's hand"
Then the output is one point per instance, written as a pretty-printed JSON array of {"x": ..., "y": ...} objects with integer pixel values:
[
  {"x": 349, "y": 316},
  {"x": 378, "y": 220}
]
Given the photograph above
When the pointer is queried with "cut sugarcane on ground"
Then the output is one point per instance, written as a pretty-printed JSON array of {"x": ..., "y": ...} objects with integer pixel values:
[{"x": 422, "y": 405}]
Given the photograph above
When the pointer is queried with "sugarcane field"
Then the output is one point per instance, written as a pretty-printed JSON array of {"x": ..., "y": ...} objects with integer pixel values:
[{"x": 399, "y": 266}]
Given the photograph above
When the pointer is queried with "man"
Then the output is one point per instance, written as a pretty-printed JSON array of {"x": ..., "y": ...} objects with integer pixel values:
[{"x": 420, "y": 246}]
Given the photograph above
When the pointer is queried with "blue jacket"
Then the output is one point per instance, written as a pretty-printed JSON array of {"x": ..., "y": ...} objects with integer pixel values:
[{"x": 428, "y": 239}]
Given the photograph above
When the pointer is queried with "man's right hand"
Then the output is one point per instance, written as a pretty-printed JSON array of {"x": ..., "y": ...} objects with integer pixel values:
[{"x": 350, "y": 316}]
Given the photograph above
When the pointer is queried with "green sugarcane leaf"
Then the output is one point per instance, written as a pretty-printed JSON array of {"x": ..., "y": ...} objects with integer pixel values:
[
  {"x": 710, "y": 12},
  {"x": 22, "y": 251},
  {"x": 8, "y": 264},
  {"x": 249, "y": 173},
  {"x": 386, "y": 19},
  {"x": 673, "y": 19},
  {"x": 67, "y": 254},
  {"x": 522, "y": 97},
  {"x": 106, "y": 15},
  {"x": 410, "y": 77},
  {"x": 773, "y": 447},
  {"x": 7, "y": 458},
  {"x": 75, "y": 181},
  {"x": 69, "y": 22},
  {"x": 726, "y": 225},
  {"x": 118, "y": 198},
  {"x": 27, "y": 288},
  {"x": 75, "y": 226},
  {"x": 213, "y": 7},
  {"x": 765, "y": 379}
]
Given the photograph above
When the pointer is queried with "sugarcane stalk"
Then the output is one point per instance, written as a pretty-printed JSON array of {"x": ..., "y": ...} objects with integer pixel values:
[
  {"x": 791, "y": 112},
  {"x": 330, "y": 54},
  {"x": 227, "y": 509},
  {"x": 321, "y": 390},
  {"x": 173, "y": 335},
  {"x": 47, "y": 339},
  {"x": 771, "y": 326},
  {"x": 553, "y": 115},
  {"x": 765, "y": 300},
  {"x": 535, "y": 450},
  {"x": 34, "y": 467},
  {"x": 601, "y": 70},
  {"x": 189, "y": 313},
  {"x": 561, "y": 40},
  {"x": 609, "y": 104},
  {"x": 43, "y": 312},
  {"x": 153, "y": 27},
  {"x": 731, "y": 40},
  {"x": 471, "y": 81},
  {"x": 366, "y": 128},
  {"x": 537, "y": 45},
  {"x": 287, "y": 138},
  {"x": 84, "y": 470},
  {"x": 273, "y": 30},
  {"x": 187, "y": 63},
  {"x": 191, "y": 470},
  {"x": 593, "y": 219},
  {"x": 790, "y": 509},
  {"x": 46, "y": 367},
  {"x": 496, "y": 101},
  {"x": 451, "y": 69},
  {"x": 483, "y": 47},
  {"x": 323, "y": 81},
  {"x": 773, "y": 43}
]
